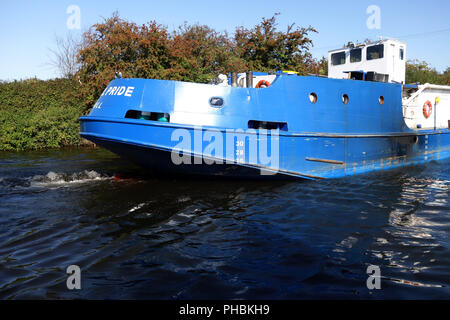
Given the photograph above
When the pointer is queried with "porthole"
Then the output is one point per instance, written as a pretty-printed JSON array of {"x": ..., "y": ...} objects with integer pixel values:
[
  {"x": 345, "y": 99},
  {"x": 216, "y": 102},
  {"x": 313, "y": 97},
  {"x": 381, "y": 100}
]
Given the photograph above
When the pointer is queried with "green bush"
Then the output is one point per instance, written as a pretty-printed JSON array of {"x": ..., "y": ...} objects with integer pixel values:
[
  {"x": 422, "y": 72},
  {"x": 36, "y": 114}
]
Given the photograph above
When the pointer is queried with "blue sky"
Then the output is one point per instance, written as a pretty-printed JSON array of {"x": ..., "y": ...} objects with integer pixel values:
[{"x": 29, "y": 27}]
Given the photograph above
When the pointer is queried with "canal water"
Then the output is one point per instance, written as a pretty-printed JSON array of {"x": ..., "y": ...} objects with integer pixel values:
[{"x": 148, "y": 238}]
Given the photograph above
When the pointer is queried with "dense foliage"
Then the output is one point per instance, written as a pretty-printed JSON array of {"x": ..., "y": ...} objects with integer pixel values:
[
  {"x": 190, "y": 53},
  {"x": 264, "y": 48},
  {"x": 422, "y": 72},
  {"x": 38, "y": 114}
]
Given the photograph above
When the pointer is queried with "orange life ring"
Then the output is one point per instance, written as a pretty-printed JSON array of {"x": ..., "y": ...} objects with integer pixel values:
[
  {"x": 263, "y": 83},
  {"x": 427, "y": 109}
]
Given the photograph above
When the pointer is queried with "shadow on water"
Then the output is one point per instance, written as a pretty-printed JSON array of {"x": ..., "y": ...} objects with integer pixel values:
[{"x": 182, "y": 239}]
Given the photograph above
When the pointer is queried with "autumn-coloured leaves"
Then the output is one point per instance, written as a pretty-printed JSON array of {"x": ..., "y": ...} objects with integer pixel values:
[{"x": 195, "y": 53}]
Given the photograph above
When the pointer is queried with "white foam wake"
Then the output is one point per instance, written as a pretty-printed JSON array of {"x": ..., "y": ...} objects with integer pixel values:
[{"x": 54, "y": 178}]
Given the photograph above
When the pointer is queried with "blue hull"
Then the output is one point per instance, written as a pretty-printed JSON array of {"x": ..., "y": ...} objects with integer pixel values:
[
  {"x": 157, "y": 162},
  {"x": 327, "y": 139}
]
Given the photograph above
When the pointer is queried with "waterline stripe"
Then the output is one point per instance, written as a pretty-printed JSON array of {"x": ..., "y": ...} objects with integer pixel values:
[{"x": 280, "y": 133}]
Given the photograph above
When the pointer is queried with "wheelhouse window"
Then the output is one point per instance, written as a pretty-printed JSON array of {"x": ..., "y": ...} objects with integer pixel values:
[
  {"x": 355, "y": 55},
  {"x": 338, "y": 58},
  {"x": 375, "y": 52},
  {"x": 402, "y": 53}
]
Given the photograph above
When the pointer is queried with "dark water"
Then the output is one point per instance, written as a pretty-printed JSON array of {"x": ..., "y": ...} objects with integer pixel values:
[{"x": 183, "y": 239}]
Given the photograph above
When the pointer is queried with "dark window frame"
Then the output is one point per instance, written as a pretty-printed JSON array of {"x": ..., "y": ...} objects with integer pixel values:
[
  {"x": 360, "y": 55},
  {"x": 340, "y": 59},
  {"x": 380, "y": 52}
]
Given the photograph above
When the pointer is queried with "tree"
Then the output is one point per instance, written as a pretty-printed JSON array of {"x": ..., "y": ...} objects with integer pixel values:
[
  {"x": 422, "y": 72},
  {"x": 446, "y": 77},
  {"x": 200, "y": 53},
  {"x": 64, "y": 56},
  {"x": 117, "y": 45},
  {"x": 318, "y": 67},
  {"x": 190, "y": 53},
  {"x": 264, "y": 48}
]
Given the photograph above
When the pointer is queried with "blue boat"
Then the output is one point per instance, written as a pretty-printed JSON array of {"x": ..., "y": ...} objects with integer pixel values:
[{"x": 360, "y": 118}]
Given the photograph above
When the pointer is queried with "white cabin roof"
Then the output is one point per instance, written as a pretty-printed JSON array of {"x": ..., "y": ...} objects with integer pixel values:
[{"x": 365, "y": 44}]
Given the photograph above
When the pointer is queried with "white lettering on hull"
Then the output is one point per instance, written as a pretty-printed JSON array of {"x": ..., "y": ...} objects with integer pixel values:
[{"x": 118, "y": 91}]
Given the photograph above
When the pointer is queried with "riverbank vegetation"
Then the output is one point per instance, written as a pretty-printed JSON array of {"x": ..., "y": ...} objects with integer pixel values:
[
  {"x": 38, "y": 114},
  {"x": 421, "y": 72}
]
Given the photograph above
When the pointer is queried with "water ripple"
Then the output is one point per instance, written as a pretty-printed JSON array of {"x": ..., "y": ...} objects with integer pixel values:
[{"x": 180, "y": 239}]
